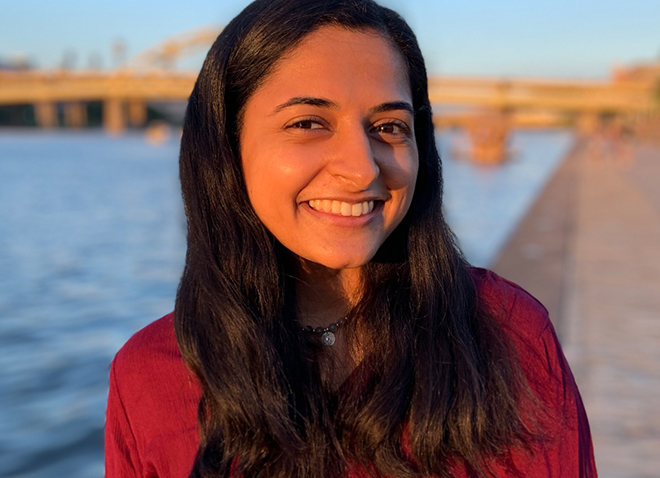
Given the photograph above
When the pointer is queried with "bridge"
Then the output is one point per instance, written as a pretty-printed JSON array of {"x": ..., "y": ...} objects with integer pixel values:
[{"x": 487, "y": 107}]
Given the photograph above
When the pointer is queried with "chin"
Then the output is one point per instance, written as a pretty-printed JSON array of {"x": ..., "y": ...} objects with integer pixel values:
[{"x": 341, "y": 261}]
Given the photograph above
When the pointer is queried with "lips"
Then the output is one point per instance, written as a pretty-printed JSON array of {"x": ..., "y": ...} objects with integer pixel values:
[{"x": 341, "y": 208}]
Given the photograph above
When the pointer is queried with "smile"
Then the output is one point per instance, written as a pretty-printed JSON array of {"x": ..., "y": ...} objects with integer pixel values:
[{"x": 341, "y": 208}]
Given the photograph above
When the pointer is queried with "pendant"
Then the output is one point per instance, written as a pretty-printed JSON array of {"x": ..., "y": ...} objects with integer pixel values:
[{"x": 328, "y": 339}]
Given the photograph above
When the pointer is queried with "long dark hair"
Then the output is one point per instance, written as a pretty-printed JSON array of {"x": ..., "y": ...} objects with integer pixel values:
[{"x": 437, "y": 386}]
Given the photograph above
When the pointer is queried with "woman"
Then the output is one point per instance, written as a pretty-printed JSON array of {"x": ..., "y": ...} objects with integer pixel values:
[{"x": 326, "y": 324}]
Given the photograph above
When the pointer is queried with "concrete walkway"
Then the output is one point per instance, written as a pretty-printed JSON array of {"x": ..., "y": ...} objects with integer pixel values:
[{"x": 590, "y": 249}]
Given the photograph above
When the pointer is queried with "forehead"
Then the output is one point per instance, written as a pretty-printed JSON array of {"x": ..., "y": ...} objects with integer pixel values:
[{"x": 331, "y": 55}]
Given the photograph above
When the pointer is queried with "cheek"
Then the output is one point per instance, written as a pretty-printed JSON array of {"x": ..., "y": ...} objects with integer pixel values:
[
  {"x": 405, "y": 179},
  {"x": 413, "y": 171},
  {"x": 400, "y": 167},
  {"x": 276, "y": 175},
  {"x": 261, "y": 164}
]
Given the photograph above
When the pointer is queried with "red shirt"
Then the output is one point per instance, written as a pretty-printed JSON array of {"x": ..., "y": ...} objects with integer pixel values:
[{"x": 151, "y": 421}]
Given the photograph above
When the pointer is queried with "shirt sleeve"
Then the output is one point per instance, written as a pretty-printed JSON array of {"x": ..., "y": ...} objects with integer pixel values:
[
  {"x": 121, "y": 454},
  {"x": 572, "y": 446}
]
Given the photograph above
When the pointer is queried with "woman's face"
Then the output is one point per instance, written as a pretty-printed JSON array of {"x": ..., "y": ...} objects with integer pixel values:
[{"x": 328, "y": 147}]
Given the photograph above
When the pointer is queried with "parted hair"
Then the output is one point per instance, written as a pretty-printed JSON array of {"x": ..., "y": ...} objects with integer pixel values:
[{"x": 438, "y": 384}]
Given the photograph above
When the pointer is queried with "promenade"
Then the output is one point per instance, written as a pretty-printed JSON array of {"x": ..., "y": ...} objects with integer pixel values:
[{"x": 589, "y": 249}]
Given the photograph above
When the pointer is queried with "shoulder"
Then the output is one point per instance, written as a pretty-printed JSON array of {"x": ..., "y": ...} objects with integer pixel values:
[
  {"x": 534, "y": 342},
  {"x": 148, "y": 351},
  {"x": 515, "y": 309},
  {"x": 151, "y": 417},
  {"x": 155, "y": 338},
  {"x": 149, "y": 373},
  {"x": 530, "y": 333}
]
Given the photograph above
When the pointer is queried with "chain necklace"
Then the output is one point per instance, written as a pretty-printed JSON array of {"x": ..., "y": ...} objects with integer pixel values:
[{"x": 327, "y": 333}]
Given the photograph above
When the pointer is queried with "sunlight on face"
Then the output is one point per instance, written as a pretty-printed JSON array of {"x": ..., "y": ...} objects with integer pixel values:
[{"x": 328, "y": 147}]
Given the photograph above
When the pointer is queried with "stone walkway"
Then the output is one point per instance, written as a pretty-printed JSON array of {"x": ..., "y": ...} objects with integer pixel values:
[{"x": 590, "y": 247}]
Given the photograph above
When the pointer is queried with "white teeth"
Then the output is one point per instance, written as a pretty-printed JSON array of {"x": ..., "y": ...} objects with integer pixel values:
[
  {"x": 342, "y": 208},
  {"x": 346, "y": 209}
]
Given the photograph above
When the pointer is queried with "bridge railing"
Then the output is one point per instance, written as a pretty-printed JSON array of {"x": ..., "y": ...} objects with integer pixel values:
[{"x": 575, "y": 96}]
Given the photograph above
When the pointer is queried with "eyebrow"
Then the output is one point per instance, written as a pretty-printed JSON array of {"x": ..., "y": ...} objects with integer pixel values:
[
  {"x": 325, "y": 103},
  {"x": 306, "y": 100},
  {"x": 393, "y": 106}
]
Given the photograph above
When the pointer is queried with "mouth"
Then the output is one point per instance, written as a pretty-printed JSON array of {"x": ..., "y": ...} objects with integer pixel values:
[{"x": 341, "y": 208}]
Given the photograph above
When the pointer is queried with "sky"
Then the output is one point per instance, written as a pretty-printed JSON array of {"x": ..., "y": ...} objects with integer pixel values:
[{"x": 580, "y": 39}]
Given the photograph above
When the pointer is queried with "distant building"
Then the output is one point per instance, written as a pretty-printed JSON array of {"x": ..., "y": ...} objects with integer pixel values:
[
  {"x": 648, "y": 73},
  {"x": 16, "y": 63}
]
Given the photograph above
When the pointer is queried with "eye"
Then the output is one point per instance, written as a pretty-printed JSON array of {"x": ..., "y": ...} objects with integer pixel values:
[
  {"x": 307, "y": 123},
  {"x": 392, "y": 129},
  {"x": 389, "y": 128}
]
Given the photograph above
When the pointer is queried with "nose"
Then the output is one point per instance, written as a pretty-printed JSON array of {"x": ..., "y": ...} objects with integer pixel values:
[{"x": 352, "y": 159}]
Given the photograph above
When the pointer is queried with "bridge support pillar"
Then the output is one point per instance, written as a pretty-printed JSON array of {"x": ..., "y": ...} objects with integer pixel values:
[
  {"x": 75, "y": 115},
  {"x": 588, "y": 123},
  {"x": 45, "y": 114},
  {"x": 137, "y": 113},
  {"x": 114, "y": 121},
  {"x": 489, "y": 135}
]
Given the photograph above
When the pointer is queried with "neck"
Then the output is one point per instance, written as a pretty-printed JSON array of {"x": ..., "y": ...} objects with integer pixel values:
[{"x": 325, "y": 295}]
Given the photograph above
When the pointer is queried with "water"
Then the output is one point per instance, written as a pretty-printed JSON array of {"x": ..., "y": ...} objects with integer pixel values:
[
  {"x": 91, "y": 250},
  {"x": 483, "y": 204}
]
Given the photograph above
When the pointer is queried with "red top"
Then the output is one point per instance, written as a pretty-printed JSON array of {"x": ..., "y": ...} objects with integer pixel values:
[{"x": 151, "y": 422}]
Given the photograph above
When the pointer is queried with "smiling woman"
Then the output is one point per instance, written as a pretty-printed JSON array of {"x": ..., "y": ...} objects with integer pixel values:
[
  {"x": 326, "y": 325},
  {"x": 328, "y": 149}
]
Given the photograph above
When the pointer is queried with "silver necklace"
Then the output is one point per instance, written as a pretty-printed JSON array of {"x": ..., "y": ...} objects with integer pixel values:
[{"x": 327, "y": 333}]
